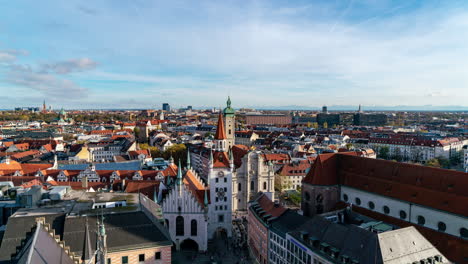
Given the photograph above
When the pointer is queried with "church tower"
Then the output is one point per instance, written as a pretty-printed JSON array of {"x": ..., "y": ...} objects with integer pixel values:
[
  {"x": 220, "y": 139},
  {"x": 220, "y": 173},
  {"x": 230, "y": 123}
]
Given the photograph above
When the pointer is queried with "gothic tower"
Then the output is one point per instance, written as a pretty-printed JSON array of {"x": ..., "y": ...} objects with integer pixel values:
[{"x": 230, "y": 123}]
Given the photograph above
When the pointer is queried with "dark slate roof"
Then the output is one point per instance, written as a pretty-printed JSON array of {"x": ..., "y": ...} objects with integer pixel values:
[
  {"x": 20, "y": 228},
  {"x": 124, "y": 231},
  {"x": 287, "y": 222},
  {"x": 349, "y": 240},
  {"x": 132, "y": 165}
]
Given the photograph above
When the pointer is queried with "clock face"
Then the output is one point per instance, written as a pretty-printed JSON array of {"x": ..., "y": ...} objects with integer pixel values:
[
  {"x": 221, "y": 193},
  {"x": 221, "y": 174}
]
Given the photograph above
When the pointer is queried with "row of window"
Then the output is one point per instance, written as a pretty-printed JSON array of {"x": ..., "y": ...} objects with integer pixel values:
[
  {"x": 219, "y": 208},
  {"x": 180, "y": 226},
  {"x": 217, "y": 179},
  {"x": 421, "y": 220},
  {"x": 141, "y": 258}
]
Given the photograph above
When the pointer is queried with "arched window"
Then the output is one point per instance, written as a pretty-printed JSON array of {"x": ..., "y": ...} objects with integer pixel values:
[
  {"x": 371, "y": 205},
  {"x": 402, "y": 214},
  {"x": 179, "y": 226},
  {"x": 307, "y": 196},
  {"x": 345, "y": 197},
  {"x": 239, "y": 187},
  {"x": 264, "y": 185},
  {"x": 421, "y": 220},
  {"x": 358, "y": 201},
  {"x": 386, "y": 209},
  {"x": 252, "y": 186},
  {"x": 193, "y": 227},
  {"x": 441, "y": 226}
]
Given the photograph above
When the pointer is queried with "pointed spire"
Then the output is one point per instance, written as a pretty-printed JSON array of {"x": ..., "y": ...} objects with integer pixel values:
[
  {"x": 228, "y": 103},
  {"x": 155, "y": 195},
  {"x": 179, "y": 175},
  {"x": 102, "y": 228},
  {"x": 160, "y": 194},
  {"x": 87, "y": 249},
  {"x": 188, "y": 160},
  {"x": 171, "y": 160},
  {"x": 220, "y": 133},
  {"x": 230, "y": 155},
  {"x": 211, "y": 157},
  {"x": 205, "y": 200},
  {"x": 169, "y": 180}
]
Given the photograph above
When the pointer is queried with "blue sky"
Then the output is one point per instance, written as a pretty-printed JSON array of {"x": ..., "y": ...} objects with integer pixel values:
[{"x": 141, "y": 53}]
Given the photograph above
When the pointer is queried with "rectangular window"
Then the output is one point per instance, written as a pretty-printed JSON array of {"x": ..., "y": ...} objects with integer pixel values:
[
  {"x": 220, "y": 218},
  {"x": 125, "y": 260},
  {"x": 141, "y": 257},
  {"x": 157, "y": 255},
  {"x": 225, "y": 179},
  {"x": 216, "y": 180}
]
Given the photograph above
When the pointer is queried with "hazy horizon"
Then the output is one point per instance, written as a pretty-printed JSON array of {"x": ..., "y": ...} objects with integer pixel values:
[{"x": 139, "y": 54}]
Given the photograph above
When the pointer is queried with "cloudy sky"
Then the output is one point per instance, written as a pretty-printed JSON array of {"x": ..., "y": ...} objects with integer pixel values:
[{"x": 141, "y": 53}]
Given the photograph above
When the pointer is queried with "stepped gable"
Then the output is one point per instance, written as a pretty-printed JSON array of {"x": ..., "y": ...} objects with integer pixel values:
[{"x": 197, "y": 188}]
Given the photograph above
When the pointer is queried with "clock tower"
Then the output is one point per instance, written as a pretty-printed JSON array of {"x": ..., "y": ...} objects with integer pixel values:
[
  {"x": 230, "y": 123},
  {"x": 220, "y": 172}
]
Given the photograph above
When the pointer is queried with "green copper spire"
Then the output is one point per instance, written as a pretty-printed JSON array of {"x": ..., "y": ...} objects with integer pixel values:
[
  {"x": 206, "y": 198},
  {"x": 102, "y": 229},
  {"x": 155, "y": 195},
  {"x": 168, "y": 180},
  {"x": 179, "y": 175},
  {"x": 230, "y": 154},
  {"x": 228, "y": 111},
  {"x": 188, "y": 160}
]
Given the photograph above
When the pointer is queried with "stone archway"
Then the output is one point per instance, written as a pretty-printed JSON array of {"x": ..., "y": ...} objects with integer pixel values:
[
  {"x": 221, "y": 232},
  {"x": 189, "y": 245}
]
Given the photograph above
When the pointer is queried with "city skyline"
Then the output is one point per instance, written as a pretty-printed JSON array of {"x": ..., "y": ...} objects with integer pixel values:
[{"x": 263, "y": 54}]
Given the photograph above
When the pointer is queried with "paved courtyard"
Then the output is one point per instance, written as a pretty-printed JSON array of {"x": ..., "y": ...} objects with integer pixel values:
[{"x": 220, "y": 250}]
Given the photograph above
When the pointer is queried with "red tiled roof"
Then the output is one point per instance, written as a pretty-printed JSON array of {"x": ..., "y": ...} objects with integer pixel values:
[
  {"x": 145, "y": 187},
  {"x": 269, "y": 207},
  {"x": 238, "y": 152},
  {"x": 433, "y": 187},
  {"x": 220, "y": 133},
  {"x": 295, "y": 169},
  {"x": 20, "y": 155},
  {"x": 221, "y": 159},
  {"x": 196, "y": 187}
]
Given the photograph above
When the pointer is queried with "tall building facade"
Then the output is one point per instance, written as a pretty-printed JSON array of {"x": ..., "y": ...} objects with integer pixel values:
[
  {"x": 432, "y": 200},
  {"x": 252, "y": 172},
  {"x": 166, "y": 107},
  {"x": 230, "y": 123}
]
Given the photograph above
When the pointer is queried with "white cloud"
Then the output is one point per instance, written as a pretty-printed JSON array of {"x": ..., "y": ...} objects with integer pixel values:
[
  {"x": 48, "y": 84},
  {"x": 69, "y": 66}
]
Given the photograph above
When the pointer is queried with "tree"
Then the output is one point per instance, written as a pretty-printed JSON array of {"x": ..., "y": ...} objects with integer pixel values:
[
  {"x": 136, "y": 131},
  {"x": 349, "y": 146},
  {"x": 155, "y": 151},
  {"x": 384, "y": 152},
  {"x": 315, "y": 125},
  {"x": 433, "y": 163},
  {"x": 178, "y": 152}
]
